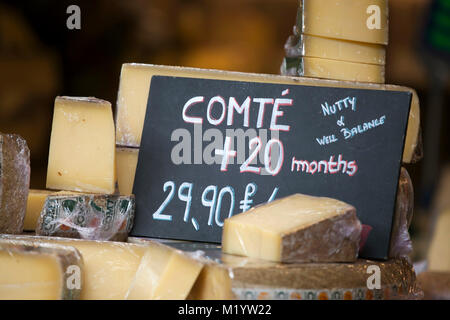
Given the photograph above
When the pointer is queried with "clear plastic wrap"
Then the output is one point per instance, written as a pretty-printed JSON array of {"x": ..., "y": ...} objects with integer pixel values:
[
  {"x": 120, "y": 270},
  {"x": 14, "y": 182},
  {"x": 41, "y": 282},
  {"x": 297, "y": 228},
  {"x": 87, "y": 216},
  {"x": 401, "y": 245}
]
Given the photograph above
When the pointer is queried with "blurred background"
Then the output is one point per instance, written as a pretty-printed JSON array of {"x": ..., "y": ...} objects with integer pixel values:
[{"x": 41, "y": 58}]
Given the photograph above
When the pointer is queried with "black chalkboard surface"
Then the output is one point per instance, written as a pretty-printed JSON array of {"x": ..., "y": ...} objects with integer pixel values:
[{"x": 214, "y": 148}]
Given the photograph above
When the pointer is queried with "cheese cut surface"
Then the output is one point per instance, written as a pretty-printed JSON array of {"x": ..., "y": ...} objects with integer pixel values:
[
  {"x": 82, "y": 146},
  {"x": 439, "y": 251},
  {"x": 135, "y": 85},
  {"x": 335, "y": 49},
  {"x": 164, "y": 273},
  {"x": 39, "y": 271},
  {"x": 360, "y": 20},
  {"x": 298, "y": 228},
  {"x": 111, "y": 269},
  {"x": 35, "y": 203},
  {"x": 334, "y": 69},
  {"x": 126, "y": 163}
]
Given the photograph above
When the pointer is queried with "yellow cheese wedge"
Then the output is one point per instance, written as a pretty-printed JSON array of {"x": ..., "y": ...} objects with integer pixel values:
[
  {"x": 118, "y": 270},
  {"x": 439, "y": 252},
  {"x": 126, "y": 162},
  {"x": 335, "y": 69},
  {"x": 356, "y": 20},
  {"x": 82, "y": 146},
  {"x": 298, "y": 228},
  {"x": 35, "y": 203},
  {"x": 164, "y": 273},
  {"x": 335, "y": 49},
  {"x": 135, "y": 85},
  {"x": 31, "y": 271}
]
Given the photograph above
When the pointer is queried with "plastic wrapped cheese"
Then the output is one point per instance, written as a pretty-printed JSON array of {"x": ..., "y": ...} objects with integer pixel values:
[
  {"x": 87, "y": 216},
  {"x": 39, "y": 271},
  {"x": 297, "y": 228},
  {"x": 120, "y": 270},
  {"x": 14, "y": 182}
]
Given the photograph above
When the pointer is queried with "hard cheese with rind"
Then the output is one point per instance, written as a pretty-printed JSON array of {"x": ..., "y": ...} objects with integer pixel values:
[
  {"x": 82, "y": 146},
  {"x": 135, "y": 85},
  {"x": 333, "y": 69},
  {"x": 35, "y": 203},
  {"x": 39, "y": 271},
  {"x": 14, "y": 182},
  {"x": 355, "y": 20},
  {"x": 111, "y": 269},
  {"x": 318, "y": 47},
  {"x": 87, "y": 216},
  {"x": 126, "y": 163},
  {"x": 298, "y": 228}
]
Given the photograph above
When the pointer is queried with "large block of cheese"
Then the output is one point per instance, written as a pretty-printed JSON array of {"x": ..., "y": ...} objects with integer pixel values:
[
  {"x": 135, "y": 85},
  {"x": 35, "y": 203},
  {"x": 333, "y": 69},
  {"x": 31, "y": 271},
  {"x": 439, "y": 250},
  {"x": 325, "y": 48},
  {"x": 298, "y": 228},
  {"x": 226, "y": 276},
  {"x": 126, "y": 163},
  {"x": 355, "y": 20},
  {"x": 87, "y": 216},
  {"x": 82, "y": 146},
  {"x": 14, "y": 182},
  {"x": 113, "y": 270}
]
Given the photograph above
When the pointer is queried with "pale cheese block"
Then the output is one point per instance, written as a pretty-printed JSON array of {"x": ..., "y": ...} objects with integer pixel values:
[
  {"x": 35, "y": 203},
  {"x": 39, "y": 271},
  {"x": 126, "y": 163},
  {"x": 355, "y": 20},
  {"x": 117, "y": 270},
  {"x": 297, "y": 228},
  {"x": 333, "y": 69},
  {"x": 335, "y": 49},
  {"x": 439, "y": 251},
  {"x": 135, "y": 85},
  {"x": 82, "y": 146}
]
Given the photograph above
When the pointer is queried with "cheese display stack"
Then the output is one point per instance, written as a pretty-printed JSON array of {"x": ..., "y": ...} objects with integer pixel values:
[
  {"x": 339, "y": 39},
  {"x": 82, "y": 163}
]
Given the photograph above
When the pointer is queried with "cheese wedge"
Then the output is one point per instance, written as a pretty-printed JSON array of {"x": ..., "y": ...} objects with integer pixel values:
[
  {"x": 117, "y": 270},
  {"x": 14, "y": 182},
  {"x": 39, "y": 271},
  {"x": 82, "y": 146},
  {"x": 298, "y": 228},
  {"x": 135, "y": 85},
  {"x": 86, "y": 216},
  {"x": 126, "y": 163},
  {"x": 35, "y": 203}
]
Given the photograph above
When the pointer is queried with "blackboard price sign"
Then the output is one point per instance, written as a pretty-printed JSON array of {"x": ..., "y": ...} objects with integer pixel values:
[{"x": 214, "y": 148}]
